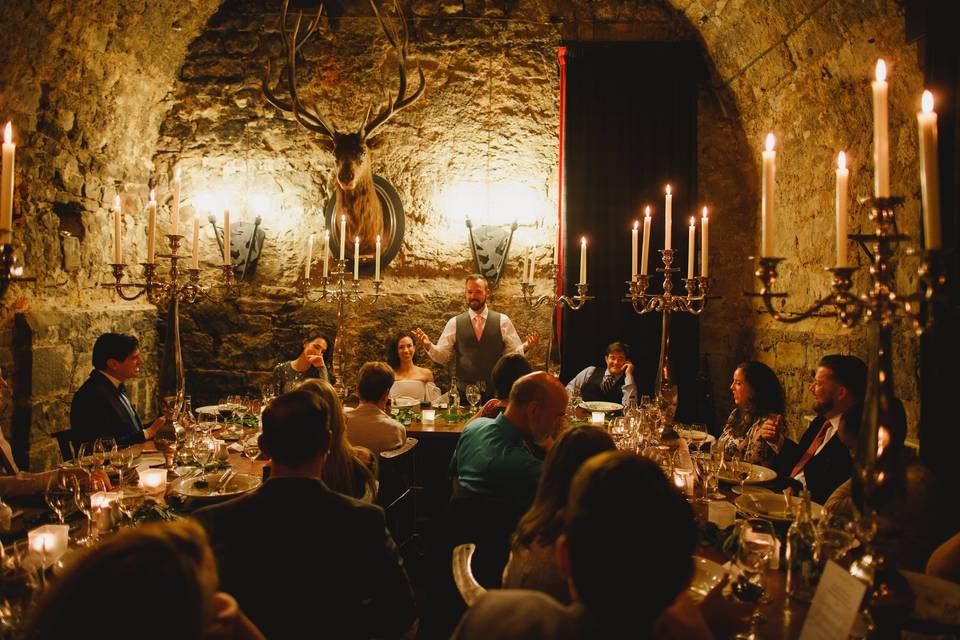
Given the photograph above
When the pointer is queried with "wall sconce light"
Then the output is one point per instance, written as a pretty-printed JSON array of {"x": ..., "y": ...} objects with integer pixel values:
[
  {"x": 246, "y": 243},
  {"x": 490, "y": 245}
]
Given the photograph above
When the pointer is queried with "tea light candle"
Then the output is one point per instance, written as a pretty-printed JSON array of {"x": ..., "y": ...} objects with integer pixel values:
[
  {"x": 428, "y": 416},
  {"x": 50, "y": 540},
  {"x": 153, "y": 480},
  {"x": 683, "y": 481},
  {"x": 597, "y": 417},
  {"x": 102, "y": 499}
]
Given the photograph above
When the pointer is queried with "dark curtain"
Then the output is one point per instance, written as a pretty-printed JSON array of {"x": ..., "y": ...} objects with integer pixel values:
[{"x": 630, "y": 129}]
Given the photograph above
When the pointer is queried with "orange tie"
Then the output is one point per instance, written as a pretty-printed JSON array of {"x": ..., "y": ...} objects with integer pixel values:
[
  {"x": 811, "y": 450},
  {"x": 478, "y": 326}
]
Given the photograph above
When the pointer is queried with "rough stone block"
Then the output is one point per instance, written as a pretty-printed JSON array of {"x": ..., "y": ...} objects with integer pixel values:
[{"x": 52, "y": 367}]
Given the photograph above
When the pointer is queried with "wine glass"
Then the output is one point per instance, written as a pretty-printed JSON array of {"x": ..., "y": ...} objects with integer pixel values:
[
  {"x": 123, "y": 462},
  {"x": 57, "y": 495},
  {"x": 756, "y": 546},
  {"x": 698, "y": 435},
  {"x": 251, "y": 449},
  {"x": 836, "y": 535},
  {"x": 99, "y": 453},
  {"x": 81, "y": 500},
  {"x": 742, "y": 470},
  {"x": 473, "y": 396},
  {"x": 130, "y": 501},
  {"x": 202, "y": 453},
  {"x": 86, "y": 458},
  {"x": 109, "y": 446}
]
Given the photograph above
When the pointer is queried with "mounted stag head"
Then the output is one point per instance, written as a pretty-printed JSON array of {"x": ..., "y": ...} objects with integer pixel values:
[{"x": 356, "y": 196}]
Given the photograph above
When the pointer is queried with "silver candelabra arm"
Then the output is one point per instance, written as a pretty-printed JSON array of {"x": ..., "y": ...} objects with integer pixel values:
[
  {"x": 849, "y": 308},
  {"x": 694, "y": 302},
  {"x": 575, "y": 303},
  {"x": 123, "y": 289}
]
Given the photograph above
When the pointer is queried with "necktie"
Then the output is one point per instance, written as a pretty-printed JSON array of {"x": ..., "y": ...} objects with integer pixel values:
[
  {"x": 606, "y": 385},
  {"x": 812, "y": 449},
  {"x": 121, "y": 390},
  {"x": 478, "y": 326}
]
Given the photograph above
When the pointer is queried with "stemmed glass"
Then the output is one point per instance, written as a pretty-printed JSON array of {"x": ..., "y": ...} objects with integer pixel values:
[
  {"x": 123, "y": 458},
  {"x": 202, "y": 452},
  {"x": 742, "y": 470},
  {"x": 109, "y": 446},
  {"x": 473, "y": 396},
  {"x": 698, "y": 435},
  {"x": 57, "y": 495},
  {"x": 82, "y": 501},
  {"x": 251, "y": 448},
  {"x": 836, "y": 535},
  {"x": 755, "y": 549},
  {"x": 86, "y": 458}
]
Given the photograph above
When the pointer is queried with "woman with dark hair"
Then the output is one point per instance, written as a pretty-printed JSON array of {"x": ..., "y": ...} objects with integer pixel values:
[
  {"x": 410, "y": 381},
  {"x": 311, "y": 363},
  {"x": 507, "y": 370},
  {"x": 532, "y": 564},
  {"x": 754, "y": 430}
]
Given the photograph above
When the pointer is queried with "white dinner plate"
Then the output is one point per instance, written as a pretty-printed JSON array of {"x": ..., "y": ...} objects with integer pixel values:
[
  {"x": 772, "y": 506},
  {"x": 402, "y": 402},
  {"x": 706, "y": 575},
  {"x": 597, "y": 405},
  {"x": 209, "y": 410},
  {"x": 696, "y": 437},
  {"x": 240, "y": 483},
  {"x": 758, "y": 475},
  {"x": 147, "y": 460}
]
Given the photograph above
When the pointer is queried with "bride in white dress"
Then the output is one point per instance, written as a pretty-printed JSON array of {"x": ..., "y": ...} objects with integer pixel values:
[{"x": 411, "y": 381}]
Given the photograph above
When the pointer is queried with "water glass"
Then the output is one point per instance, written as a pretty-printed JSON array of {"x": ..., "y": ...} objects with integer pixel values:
[
  {"x": 473, "y": 396},
  {"x": 836, "y": 535},
  {"x": 57, "y": 495}
]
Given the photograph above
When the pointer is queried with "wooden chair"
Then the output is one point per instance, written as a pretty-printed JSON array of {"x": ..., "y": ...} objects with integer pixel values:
[
  {"x": 470, "y": 590},
  {"x": 395, "y": 493}
]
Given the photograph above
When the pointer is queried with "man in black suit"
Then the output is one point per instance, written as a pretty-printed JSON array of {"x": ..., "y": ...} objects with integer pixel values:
[
  {"x": 302, "y": 560},
  {"x": 820, "y": 460},
  {"x": 100, "y": 407}
]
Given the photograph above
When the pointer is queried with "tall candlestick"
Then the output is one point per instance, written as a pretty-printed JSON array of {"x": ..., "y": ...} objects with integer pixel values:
[
  {"x": 843, "y": 175},
  {"x": 376, "y": 264},
  {"x": 633, "y": 249},
  {"x": 117, "y": 249},
  {"x": 530, "y": 264},
  {"x": 326, "y": 254},
  {"x": 226, "y": 237},
  {"x": 691, "y": 245},
  {"x": 645, "y": 255},
  {"x": 306, "y": 268},
  {"x": 668, "y": 220},
  {"x": 175, "y": 207},
  {"x": 881, "y": 142},
  {"x": 196, "y": 241},
  {"x": 929, "y": 173},
  {"x": 6, "y": 186},
  {"x": 356, "y": 258},
  {"x": 525, "y": 276},
  {"x": 152, "y": 228},
  {"x": 768, "y": 202},
  {"x": 343, "y": 236},
  {"x": 704, "y": 244},
  {"x": 583, "y": 261}
]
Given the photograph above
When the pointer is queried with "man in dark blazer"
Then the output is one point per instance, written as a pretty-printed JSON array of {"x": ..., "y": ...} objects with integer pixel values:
[
  {"x": 302, "y": 560},
  {"x": 101, "y": 407},
  {"x": 820, "y": 460}
]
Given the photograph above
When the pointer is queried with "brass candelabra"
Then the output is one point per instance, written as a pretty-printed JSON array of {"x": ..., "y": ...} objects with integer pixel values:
[{"x": 574, "y": 303}]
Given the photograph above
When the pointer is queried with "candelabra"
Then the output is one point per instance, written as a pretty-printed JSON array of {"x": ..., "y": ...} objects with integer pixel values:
[
  {"x": 341, "y": 294},
  {"x": 667, "y": 304},
  {"x": 574, "y": 303},
  {"x": 172, "y": 290}
]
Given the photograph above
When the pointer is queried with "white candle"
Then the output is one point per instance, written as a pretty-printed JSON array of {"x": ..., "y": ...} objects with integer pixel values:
[
  {"x": 226, "y": 237},
  {"x": 768, "y": 202},
  {"x": 117, "y": 234},
  {"x": 428, "y": 416},
  {"x": 343, "y": 236},
  {"x": 175, "y": 207},
  {"x": 196, "y": 241},
  {"x": 326, "y": 254},
  {"x": 704, "y": 244},
  {"x": 645, "y": 254},
  {"x": 356, "y": 257},
  {"x": 597, "y": 417},
  {"x": 376, "y": 264},
  {"x": 530, "y": 264},
  {"x": 843, "y": 176},
  {"x": 881, "y": 142},
  {"x": 583, "y": 261},
  {"x": 525, "y": 276},
  {"x": 153, "y": 480},
  {"x": 152, "y": 227},
  {"x": 633, "y": 249},
  {"x": 691, "y": 245},
  {"x": 6, "y": 186},
  {"x": 668, "y": 221},
  {"x": 929, "y": 173},
  {"x": 306, "y": 268}
]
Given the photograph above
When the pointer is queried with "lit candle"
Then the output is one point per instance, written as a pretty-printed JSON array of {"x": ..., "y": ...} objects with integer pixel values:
[
  {"x": 633, "y": 249},
  {"x": 306, "y": 268},
  {"x": 668, "y": 221},
  {"x": 117, "y": 234},
  {"x": 226, "y": 237},
  {"x": 704, "y": 244},
  {"x": 645, "y": 254},
  {"x": 929, "y": 173},
  {"x": 175, "y": 207},
  {"x": 530, "y": 264},
  {"x": 152, "y": 227},
  {"x": 691, "y": 245},
  {"x": 6, "y": 186},
  {"x": 153, "y": 480},
  {"x": 50, "y": 541},
  {"x": 768, "y": 202},
  {"x": 597, "y": 417},
  {"x": 326, "y": 254},
  {"x": 843, "y": 175},
  {"x": 376, "y": 264},
  {"x": 881, "y": 142},
  {"x": 196, "y": 241},
  {"x": 583, "y": 261},
  {"x": 428, "y": 416},
  {"x": 525, "y": 276},
  {"x": 356, "y": 257},
  {"x": 343, "y": 236}
]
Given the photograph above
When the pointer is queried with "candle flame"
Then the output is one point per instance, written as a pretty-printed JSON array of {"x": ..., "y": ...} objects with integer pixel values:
[
  {"x": 356, "y": 239},
  {"x": 668, "y": 190},
  {"x": 116, "y": 202},
  {"x": 343, "y": 218},
  {"x": 8, "y": 134},
  {"x": 646, "y": 211},
  {"x": 153, "y": 197},
  {"x": 328, "y": 235},
  {"x": 881, "y": 70},
  {"x": 841, "y": 160},
  {"x": 693, "y": 221},
  {"x": 378, "y": 239},
  {"x": 770, "y": 142},
  {"x": 926, "y": 102},
  {"x": 704, "y": 212},
  {"x": 583, "y": 241},
  {"x": 636, "y": 225}
]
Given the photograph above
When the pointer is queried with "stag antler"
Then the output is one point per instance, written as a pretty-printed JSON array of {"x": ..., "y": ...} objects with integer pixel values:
[{"x": 399, "y": 43}]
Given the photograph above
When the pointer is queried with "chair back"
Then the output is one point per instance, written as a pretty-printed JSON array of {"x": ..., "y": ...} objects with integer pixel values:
[
  {"x": 470, "y": 590},
  {"x": 67, "y": 443},
  {"x": 395, "y": 492}
]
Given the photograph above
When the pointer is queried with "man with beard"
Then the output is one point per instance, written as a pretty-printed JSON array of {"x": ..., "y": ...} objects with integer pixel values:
[
  {"x": 477, "y": 337},
  {"x": 820, "y": 461},
  {"x": 614, "y": 383}
]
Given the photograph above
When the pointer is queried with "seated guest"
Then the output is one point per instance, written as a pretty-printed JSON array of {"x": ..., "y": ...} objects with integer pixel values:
[
  {"x": 100, "y": 407},
  {"x": 162, "y": 583},
  {"x": 309, "y": 364},
  {"x": 410, "y": 381},
  {"x": 819, "y": 460},
  {"x": 532, "y": 563},
  {"x": 369, "y": 425},
  {"x": 904, "y": 522},
  {"x": 348, "y": 470},
  {"x": 508, "y": 369},
  {"x": 293, "y": 528},
  {"x": 618, "y": 501},
  {"x": 754, "y": 429},
  {"x": 613, "y": 383}
]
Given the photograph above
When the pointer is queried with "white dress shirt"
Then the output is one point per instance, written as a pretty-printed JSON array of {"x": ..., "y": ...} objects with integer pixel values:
[
  {"x": 442, "y": 351},
  {"x": 629, "y": 385},
  {"x": 834, "y": 423}
]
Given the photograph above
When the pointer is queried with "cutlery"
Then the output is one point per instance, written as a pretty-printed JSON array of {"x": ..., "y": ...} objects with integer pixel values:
[{"x": 225, "y": 480}]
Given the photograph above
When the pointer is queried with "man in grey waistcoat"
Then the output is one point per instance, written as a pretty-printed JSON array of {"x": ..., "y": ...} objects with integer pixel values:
[{"x": 477, "y": 337}]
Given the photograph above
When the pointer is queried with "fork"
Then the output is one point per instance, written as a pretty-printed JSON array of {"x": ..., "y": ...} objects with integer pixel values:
[{"x": 225, "y": 480}]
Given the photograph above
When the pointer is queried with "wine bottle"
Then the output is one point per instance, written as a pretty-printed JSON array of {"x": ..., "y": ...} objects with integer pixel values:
[{"x": 803, "y": 571}]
